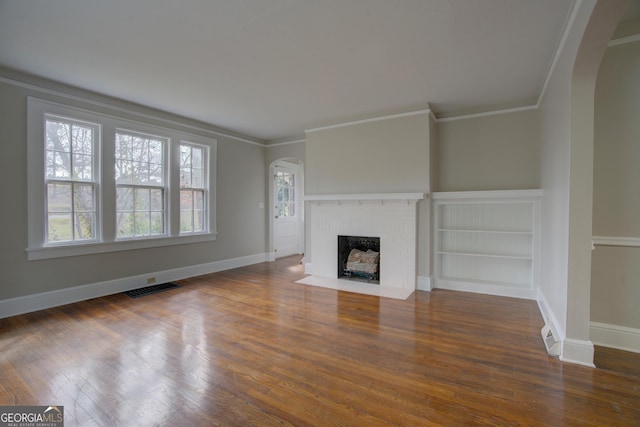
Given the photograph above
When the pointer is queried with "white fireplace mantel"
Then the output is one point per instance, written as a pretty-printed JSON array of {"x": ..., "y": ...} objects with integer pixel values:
[{"x": 409, "y": 197}]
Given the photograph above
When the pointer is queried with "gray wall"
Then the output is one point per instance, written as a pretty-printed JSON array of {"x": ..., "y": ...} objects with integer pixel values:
[
  {"x": 615, "y": 280},
  {"x": 286, "y": 151},
  {"x": 385, "y": 156},
  {"x": 241, "y": 225},
  {"x": 496, "y": 152}
]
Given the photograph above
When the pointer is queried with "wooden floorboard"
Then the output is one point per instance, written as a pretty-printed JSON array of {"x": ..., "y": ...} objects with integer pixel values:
[
  {"x": 624, "y": 362},
  {"x": 251, "y": 347}
]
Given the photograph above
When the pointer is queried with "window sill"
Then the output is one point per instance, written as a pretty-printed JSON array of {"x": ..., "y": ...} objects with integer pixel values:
[{"x": 46, "y": 252}]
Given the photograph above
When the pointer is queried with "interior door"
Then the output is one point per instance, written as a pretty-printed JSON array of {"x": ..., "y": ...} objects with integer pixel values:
[{"x": 286, "y": 231}]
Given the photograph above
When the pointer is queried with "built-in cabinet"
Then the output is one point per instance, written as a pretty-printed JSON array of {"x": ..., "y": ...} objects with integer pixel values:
[{"x": 487, "y": 241}]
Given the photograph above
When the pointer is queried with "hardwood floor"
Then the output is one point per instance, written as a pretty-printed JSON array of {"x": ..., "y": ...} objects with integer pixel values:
[
  {"x": 250, "y": 347},
  {"x": 620, "y": 361}
]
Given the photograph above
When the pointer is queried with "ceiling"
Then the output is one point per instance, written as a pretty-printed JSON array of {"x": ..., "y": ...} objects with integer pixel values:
[{"x": 269, "y": 69}]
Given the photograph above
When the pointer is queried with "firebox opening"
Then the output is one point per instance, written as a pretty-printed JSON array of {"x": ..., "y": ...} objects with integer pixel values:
[{"x": 359, "y": 258}]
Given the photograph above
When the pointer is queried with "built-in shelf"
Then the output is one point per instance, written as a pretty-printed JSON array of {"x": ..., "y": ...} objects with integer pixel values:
[{"x": 487, "y": 241}]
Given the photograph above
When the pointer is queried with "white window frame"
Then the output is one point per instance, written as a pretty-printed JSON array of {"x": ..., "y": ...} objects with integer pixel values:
[
  {"x": 164, "y": 186},
  {"x": 94, "y": 181},
  {"x": 109, "y": 122},
  {"x": 204, "y": 188}
]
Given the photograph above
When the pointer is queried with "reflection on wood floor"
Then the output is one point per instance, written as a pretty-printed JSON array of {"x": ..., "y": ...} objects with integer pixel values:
[{"x": 250, "y": 347}]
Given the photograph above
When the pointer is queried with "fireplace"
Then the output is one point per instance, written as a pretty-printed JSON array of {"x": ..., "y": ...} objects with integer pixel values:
[
  {"x": 359, "y": 258},
  {"x": 390, "y": 217}
]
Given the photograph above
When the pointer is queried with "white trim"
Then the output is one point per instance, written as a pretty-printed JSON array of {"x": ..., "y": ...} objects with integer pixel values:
[
  {"x": 633, "y": 242},
  {"x": 29, "y": 303},
  {"x": 579, "y": 352},
  {"x": 277, "y": 144},
  {"x": 359, "y": 197},
  {"x": 308, "y": 268},
  {"x": 549, "y": 317},
  {"x": 125, "y": 110},
  {"x": 624, "y": 40},
  {"x": 563, "y": 41},
  {"x": 47, "y": 252},
  {"x": 424, "y": 283},
  {"x": 485, "y": 288},
  {"x": 297, "y": 167},
  {"x": 614, "y": 336},
  {"x": 109, "y": 125},
  {"x": 372, "y": 119},
  {"x": 472, "y": 195},
  {"x": 487, "y": 113}
]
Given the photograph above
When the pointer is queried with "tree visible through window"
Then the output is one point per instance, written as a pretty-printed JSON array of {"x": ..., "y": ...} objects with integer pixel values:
[
  {"x": 70, "y": 179},
  {"x": 193, "y": 188},
  {"x": 102, "y": 183},
  {"x": 140, "y": 185},
  {"x": 285, "y": 194}
]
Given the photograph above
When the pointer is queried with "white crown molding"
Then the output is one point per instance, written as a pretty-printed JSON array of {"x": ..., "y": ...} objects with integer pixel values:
[
  {"x": 369, "y": 120},
  {"x": 563, "y": 41},
  {"x": 278, "y": 144},
  {"x": 487, "y": 113},
  {"x": 624, "y": 40},
  {"x": 61, "y": 94},
  {"x": 29, "y": 303},
  {"x": 633, "y": 242}
]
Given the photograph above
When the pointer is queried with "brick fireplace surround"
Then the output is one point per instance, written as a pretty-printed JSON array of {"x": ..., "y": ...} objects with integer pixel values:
[{"x": 390, "y": 216}]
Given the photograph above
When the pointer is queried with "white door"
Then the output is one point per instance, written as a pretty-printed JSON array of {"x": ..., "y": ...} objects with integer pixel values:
[{"x": 285, "y": 230}]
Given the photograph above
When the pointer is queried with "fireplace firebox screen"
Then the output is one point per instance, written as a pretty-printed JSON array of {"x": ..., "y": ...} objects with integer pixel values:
[{"x": 359, "y": 258}]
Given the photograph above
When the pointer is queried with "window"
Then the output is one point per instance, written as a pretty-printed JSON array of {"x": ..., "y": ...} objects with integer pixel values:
[
  {"x": 193, "y": 188},
  {"x": 285, "y": 194},
  {"x": 140, "y": 185},
  {"x": 70, "y": 180},
  {"x": 101, "y": 183}
]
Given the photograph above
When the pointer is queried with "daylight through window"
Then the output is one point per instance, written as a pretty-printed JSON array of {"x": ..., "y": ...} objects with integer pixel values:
[
  {"x": 140, "y": 185},
  {"x": 70, "y": 180},
  {"x": 98, "y": 182},
  {"x": 192, "y": 188}
]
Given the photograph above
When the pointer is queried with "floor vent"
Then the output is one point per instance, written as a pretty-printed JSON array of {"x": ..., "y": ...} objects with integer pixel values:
[
  {"x": 153, "y": 289},
  {"x": 552, "y": 344}
]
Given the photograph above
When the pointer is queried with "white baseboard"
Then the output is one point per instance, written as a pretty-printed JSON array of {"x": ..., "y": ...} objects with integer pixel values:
[
  {"x": 577, "y": 351},
  {"x": 614, "y": 336},
  {"x": 483, "y": 288},
  {"x": 549, "y": 317},
  {"x": 29, "y": 303},
  {"x": 423, "y": 283},
  {"x": 572, "y": 351},
  {"x": 308, "y": 268}
]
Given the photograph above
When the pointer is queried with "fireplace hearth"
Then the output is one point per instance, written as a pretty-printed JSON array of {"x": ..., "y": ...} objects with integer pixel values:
[{"x": 359, "y": 258}]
